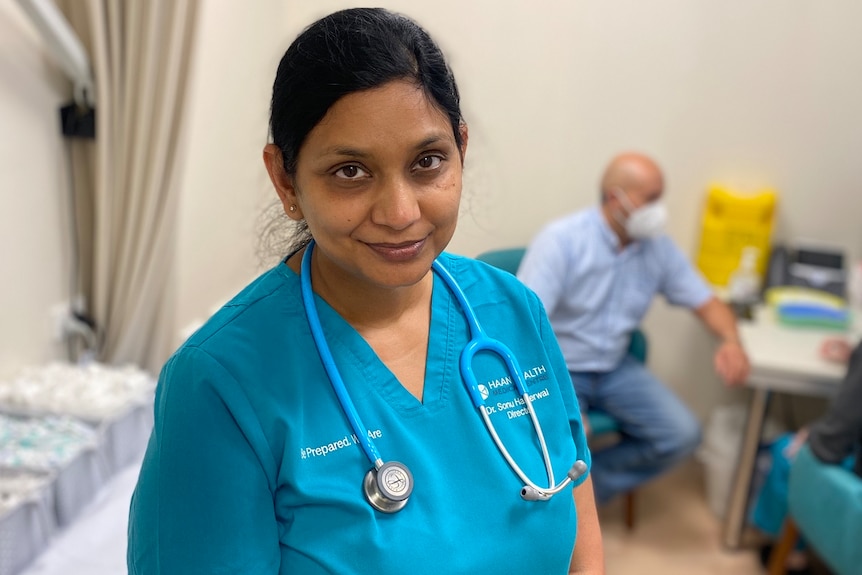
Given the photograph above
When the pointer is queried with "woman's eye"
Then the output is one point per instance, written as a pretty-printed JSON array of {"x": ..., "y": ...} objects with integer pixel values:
[
  {"x": 351, "y": 172},
  {"x": 429, "y": 162}
]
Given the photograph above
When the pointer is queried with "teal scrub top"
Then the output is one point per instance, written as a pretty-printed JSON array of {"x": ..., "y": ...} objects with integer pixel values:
[{"x": 252, "y": 466}]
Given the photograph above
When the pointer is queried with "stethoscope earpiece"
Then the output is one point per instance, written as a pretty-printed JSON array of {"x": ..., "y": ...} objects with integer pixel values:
[
  {"x": 388, "y": 488},
  {"x": 529, "y": 493},
  {"x": 578, "y": 469}
]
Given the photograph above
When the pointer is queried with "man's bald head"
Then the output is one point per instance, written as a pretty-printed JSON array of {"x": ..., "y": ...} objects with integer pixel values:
[{"x": 635, "y": 174}]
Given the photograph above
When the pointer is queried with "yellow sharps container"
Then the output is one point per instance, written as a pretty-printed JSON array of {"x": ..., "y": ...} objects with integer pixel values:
[{"x": 731, "y": 222}]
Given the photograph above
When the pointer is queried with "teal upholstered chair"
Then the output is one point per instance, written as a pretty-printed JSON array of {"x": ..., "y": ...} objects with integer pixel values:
[
  {"x": 824, "y": 504},
  {"x": 601, "y": 424},
  {"x": 508, "y": 259}
]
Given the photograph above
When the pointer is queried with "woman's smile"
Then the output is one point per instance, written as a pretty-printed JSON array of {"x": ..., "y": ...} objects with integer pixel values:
[{"x": 399, "y": 252}]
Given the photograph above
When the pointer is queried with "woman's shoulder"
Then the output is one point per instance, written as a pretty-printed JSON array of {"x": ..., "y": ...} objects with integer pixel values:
[
  {"x": 254, "y": 334},
  {"x": 484, "y": 283},
  {"x": 267, "y": 303}
]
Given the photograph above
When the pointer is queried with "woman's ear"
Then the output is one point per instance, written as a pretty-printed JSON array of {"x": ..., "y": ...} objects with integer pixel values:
[
  {"x": 462, "y": 130},
  {"x": 281, "y": 181}
]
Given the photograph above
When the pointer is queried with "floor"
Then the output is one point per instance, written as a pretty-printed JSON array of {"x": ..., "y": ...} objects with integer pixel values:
[{"x": 675, "y": 533}]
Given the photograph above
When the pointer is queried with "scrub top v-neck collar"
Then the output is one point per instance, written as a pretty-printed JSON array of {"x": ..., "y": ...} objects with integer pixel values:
[{"x": 440, "y": 362}]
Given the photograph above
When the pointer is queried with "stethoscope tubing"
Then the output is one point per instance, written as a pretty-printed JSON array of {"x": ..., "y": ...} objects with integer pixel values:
[
  {"x": 359, "y": 429},
  {"x": 479, "y": 341}
]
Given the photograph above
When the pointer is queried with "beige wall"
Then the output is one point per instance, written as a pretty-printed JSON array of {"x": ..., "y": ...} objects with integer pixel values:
[
  {"x": 33, "y": 194},
  {"x": 224, "y": 183},
  {"x": 747, "y": 93},
  {"x": 744, "y": 93}
]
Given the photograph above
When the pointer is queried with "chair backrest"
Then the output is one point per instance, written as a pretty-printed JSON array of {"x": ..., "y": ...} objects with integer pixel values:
[
  {"x": 825, "y": 500},
  {"x": 506, "y": 259},
  {"x": 638, "y": 346}
]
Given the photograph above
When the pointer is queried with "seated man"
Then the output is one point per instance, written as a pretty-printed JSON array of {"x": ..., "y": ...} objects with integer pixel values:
[{"x": 596, "y": 271}]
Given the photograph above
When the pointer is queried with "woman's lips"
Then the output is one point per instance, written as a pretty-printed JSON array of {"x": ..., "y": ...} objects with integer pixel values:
[{"x": 400, "y": 252}]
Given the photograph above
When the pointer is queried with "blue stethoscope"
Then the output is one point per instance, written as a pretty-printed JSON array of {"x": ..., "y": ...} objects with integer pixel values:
[{"x": 388, "y": 486}]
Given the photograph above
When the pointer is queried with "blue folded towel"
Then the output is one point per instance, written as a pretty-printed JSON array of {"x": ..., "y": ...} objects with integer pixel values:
[{"x": 813, "y": 314}]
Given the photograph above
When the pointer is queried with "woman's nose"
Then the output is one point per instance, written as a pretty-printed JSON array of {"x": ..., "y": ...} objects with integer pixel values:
[{"x": 396, "y": 205}]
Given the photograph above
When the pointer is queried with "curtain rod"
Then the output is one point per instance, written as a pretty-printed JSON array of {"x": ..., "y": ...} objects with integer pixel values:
[{"x": 65, "y": 46}]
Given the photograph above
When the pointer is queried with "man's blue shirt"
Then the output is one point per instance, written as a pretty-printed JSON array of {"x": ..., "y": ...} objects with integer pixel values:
[{"x": 596, "y": 293}]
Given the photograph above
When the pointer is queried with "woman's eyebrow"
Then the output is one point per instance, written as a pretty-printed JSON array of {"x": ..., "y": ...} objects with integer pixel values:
[
  {"x": 430, "y": 140},
  {"x": 345, "y": 151},
  {"x": 352, "y": 152}
]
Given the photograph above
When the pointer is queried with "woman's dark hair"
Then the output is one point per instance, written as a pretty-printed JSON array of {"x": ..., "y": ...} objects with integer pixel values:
[
  {"x": 346, "y": 52},
  {"x": 349, "y": 51}
]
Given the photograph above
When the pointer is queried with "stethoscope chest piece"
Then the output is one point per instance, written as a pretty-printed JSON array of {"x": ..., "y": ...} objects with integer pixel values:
[{"x": 388, "y": 488}]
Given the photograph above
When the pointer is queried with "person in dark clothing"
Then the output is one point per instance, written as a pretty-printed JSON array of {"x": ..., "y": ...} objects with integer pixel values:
[
  {"x": 839, "y": 433},
  {"x": 834, "y": 438}
]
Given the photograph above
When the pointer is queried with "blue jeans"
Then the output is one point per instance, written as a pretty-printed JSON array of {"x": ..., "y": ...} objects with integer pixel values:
[{"x": 657, "y": 430}]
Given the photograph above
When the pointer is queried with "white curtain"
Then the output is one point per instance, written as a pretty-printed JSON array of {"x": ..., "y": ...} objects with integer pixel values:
[{"x": 126, "y": 181}]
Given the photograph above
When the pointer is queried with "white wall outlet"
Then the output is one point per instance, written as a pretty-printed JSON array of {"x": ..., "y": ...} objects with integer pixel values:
[{"x": 59, "y": 314}]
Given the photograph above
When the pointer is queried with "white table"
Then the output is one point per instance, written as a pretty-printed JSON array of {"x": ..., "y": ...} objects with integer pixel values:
[{"x": 783, "y": 359}]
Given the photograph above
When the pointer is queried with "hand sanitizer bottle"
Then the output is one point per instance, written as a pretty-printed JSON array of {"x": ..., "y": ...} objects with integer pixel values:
[{"x": 744, "y": 285}]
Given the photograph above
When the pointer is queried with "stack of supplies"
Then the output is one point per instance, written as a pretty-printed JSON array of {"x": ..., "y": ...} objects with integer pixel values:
[
  {"x": 64, "y": 431},
  {"x": 42, "y": 444},
  {"x": 808, "y": 307},
  {"x": 49, "y": 470},
  {"x": 26, "y": 518},
  {"x": 17, "y": 487},
  {"x": 62, "y": 448},
  {"x": 92, "y": 392},
  {"x": 118, "y": 401}
]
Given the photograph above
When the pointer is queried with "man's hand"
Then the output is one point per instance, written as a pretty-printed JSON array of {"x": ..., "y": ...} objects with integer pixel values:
[{"x": 731, "y": 363}]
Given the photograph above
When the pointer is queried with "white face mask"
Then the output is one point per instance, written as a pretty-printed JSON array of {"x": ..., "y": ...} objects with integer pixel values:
[{"x": 645, "y": 222}]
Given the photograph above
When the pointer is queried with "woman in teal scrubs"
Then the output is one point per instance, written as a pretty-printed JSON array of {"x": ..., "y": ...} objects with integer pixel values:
[{"x": 253, "y": 465}]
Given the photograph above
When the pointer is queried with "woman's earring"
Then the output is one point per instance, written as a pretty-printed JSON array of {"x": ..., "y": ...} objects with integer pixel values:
[{"x": 292, "y": 208}]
